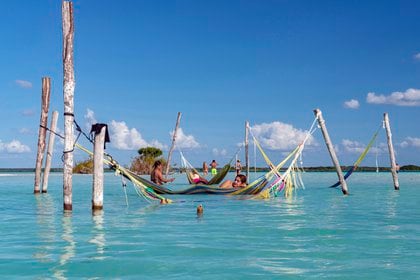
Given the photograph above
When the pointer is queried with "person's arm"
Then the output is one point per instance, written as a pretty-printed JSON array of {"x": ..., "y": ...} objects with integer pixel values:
[
  {"x": 226, "y": 184},
  {"x": 163, "y": 180}
]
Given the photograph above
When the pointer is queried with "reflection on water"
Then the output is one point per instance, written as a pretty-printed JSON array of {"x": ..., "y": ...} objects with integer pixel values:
[
  {"x": 391, "y": 203},
  {"x": 318, "y": 234},
  {"x": 278, "y": 266},
  {"x": 98, "y": 234},
  {"x": 46, "y": 232},
  {"x": 70, "y": 246}
]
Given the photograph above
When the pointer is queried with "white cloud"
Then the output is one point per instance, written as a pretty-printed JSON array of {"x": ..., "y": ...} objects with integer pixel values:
[
  {"x": 25, "y": 130},
  {"x": 380, "y": 148},
  {"x": 411, "y": 97},
  {"x": 353, "y": 146},
  {"x": 352, "y": 104},
  {"x": 14, "y": 147},
  {"x": 23, "y": 84},
  {"x": 280, "y": 136},
  {"x": 219, "y": 152},
  {"x": 410, "y": 142},
  {"x": 89, "y": 119},
  {"x": 417, "y": 56},
  {"x": 28, "y": 112},
  {"x": 356, "y": 147},
  {"x": 337, "y": 149},
  {"x": 185, "y": 141},
  {"x": 123, "y": 138}
]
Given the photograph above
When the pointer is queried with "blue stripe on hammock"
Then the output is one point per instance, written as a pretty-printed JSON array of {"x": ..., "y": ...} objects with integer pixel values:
[{"x": 349, "y": 172}]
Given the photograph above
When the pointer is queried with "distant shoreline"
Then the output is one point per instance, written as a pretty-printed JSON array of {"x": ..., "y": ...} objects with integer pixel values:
[{"x": 406, "y": 168}]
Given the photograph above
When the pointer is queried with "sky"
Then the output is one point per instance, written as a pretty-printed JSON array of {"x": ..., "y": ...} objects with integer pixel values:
[{"x": 220, "y": 63}]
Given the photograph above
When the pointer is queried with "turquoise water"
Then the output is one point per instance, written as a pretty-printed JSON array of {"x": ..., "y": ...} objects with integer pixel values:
[{"x": 374, "y": 233}]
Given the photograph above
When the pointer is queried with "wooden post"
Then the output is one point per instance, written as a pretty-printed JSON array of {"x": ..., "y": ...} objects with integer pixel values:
[
  {"x": 46, "y": 91},
  {"x": 98, "y": 170},
  {"x": 330, "y": 148},
  {"x": 168, "y": 163},
  {"x": 391, "y": 152},
  {"x": 247, "y": 150},
  {"x": 50, "y": 149},
  {"x": 68, "y": 92}
]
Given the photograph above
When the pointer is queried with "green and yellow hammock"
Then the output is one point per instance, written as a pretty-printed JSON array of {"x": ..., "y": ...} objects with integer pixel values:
[
  {"x": 216, "y": 179},
  {"x": 142, "y": 189},
  {"x": 359, "y": 160}
]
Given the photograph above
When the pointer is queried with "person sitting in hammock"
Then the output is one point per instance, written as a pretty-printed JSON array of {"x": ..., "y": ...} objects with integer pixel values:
[
  {"x": 156, "y": 176},
  {"x": 239, "y": 182},
  {"x": 197, "y": 179}
]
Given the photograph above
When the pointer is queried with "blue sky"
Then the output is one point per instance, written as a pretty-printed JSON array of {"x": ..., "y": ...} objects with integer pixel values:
[{"x": 220, "y": 63}]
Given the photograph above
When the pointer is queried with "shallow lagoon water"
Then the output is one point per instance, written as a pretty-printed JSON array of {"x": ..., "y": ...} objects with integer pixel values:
[{"x": 374, "y": 233}]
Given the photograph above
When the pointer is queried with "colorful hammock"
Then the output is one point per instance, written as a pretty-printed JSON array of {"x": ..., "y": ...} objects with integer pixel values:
[
  {"x": 141, "y": 188},
  {"x": 196, "y": 189},
  {"x": 252, "y": 188},
  {"x": 216, "y": 179},
  {"x": 290, "y": 179},
  {"x": 359, "y": 160}
]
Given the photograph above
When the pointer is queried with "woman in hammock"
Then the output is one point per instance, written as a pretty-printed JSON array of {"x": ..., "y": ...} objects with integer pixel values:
[
  {"x": 197, "y": 179},
  {"x": 239, "y": 182}
]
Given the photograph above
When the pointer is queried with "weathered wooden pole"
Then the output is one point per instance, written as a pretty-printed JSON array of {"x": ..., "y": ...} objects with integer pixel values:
[
  {"x": 98, "y": 170},
  {"x": 50, "y": 149},
  {"x": 331, "y": 150},
  {"x": 46, "y": 92},
  {"x": 247, "y": 149},
  {"x": 168, "y": 163},
  {"x": 68, "y": 91},
  {"x": 391, "y": 152}
]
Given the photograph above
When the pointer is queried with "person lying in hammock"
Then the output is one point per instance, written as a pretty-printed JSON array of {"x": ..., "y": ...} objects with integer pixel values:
[
  {"x": 197, "y": 179},
  {"x": 239, "y": 182}
]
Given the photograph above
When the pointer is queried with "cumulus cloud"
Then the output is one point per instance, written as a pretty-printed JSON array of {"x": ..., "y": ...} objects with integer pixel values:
[
  {"x": 25, "y": 130},
  {"x": 352, "y": 104},
  {"x": 219, "y": 152},
  {"x": 411, "y": 97},
  {"x": 280, "y": 136},
  {"x": 89, "y": 119},
  {"x": 355, "y": 147},
  {"x": 410, "y": 142},
  {"x": 14, "y": 147},
  {"x": 124, "y": 138},
  {"x": 28, "y": 112},
  {"x": 337, "y": 149},
  {"x": 184, "y": 141},
  {"x": 23, "y": 83},
  {"x": 417, "y": 56}
]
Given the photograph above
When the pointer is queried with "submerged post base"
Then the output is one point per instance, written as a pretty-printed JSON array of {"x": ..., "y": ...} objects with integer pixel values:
[
  {"x": 68, "y": 207},
  {"x": 97, "y": 207}
]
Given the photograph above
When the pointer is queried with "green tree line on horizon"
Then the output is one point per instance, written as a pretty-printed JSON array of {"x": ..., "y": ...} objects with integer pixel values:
[
  {"x": 143, "y": 164},
  {"x": 84, "y": 167}
]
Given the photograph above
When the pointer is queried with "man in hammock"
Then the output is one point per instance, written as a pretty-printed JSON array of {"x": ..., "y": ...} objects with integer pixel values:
[{"x": 157, "y": 176}]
